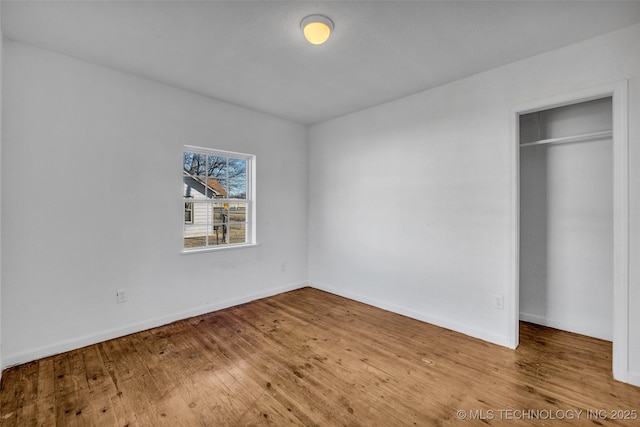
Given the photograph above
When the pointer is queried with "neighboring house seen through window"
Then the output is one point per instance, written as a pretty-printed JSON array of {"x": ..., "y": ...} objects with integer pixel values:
[{"x": 218, "y": 198}]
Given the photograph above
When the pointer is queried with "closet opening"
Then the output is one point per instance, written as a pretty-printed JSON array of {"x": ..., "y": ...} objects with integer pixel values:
[
  {"x": 570, "y": 247},
  {"x": 566, "y": 218}
]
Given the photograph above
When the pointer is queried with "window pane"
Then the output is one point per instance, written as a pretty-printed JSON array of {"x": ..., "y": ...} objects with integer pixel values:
[
  {"x": 194, "y": 164},
  {"x": 237, "y": 233},
  {"x": 188, "y": 213},
  {"x": 238, "y": 212},
  {"x": 187, "y": 186},
  {"x": 220, "y": 213},
  {"x": 216, "y": 167},
  {"x": 237, "y": 189},
  {"x": 194, "y": 234},
  {"x": 217, "y": 234},
  {"x": 216, "y": 188},
  {"x": 238, "y": 169},
  {"x": 193, "y": 188}
]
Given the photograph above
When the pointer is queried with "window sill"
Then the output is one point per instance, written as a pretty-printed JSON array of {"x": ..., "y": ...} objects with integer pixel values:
[{"x": 219, "y": 248}]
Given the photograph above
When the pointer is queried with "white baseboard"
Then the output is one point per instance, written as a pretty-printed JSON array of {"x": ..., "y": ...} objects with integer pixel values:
[
  {"x": 424, "y": 317},
  {"x": 544, "y": 321},
  {"x": 83, "y": 341},
  {"x": 532, "y": 318}
]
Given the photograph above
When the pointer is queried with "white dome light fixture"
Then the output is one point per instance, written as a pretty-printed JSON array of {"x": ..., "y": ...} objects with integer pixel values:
[{"x": 316, "y": 28}]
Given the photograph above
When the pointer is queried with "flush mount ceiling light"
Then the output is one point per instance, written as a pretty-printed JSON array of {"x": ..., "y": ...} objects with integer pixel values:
[{"x": 316, "y": 28}]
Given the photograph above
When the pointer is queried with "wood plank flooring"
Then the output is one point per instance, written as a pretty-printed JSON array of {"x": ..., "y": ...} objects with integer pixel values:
[{"x": 311, "y": 358}]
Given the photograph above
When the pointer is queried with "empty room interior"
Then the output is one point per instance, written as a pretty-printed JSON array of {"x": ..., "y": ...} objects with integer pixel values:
[{"x": 320, "y": 213}]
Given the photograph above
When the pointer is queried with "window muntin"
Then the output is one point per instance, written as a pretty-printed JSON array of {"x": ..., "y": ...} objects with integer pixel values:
[{"x": 218, "y": 198}]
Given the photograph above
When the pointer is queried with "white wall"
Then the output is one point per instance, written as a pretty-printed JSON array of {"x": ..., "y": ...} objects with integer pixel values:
[
  {"x": 410, "y": 202},
  {"x": 91, "y": 190},
  {"x": 566, "y": 222}
]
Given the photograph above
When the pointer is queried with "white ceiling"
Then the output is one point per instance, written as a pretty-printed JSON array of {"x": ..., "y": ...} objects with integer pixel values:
[{"x": 253, "y": 54}]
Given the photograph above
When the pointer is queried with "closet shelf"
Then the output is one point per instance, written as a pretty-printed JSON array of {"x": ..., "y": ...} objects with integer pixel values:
[{"x": 573, "y": 138}]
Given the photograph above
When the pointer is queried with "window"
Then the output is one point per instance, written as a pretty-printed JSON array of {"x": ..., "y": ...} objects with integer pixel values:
[
  {"x": 218, "y": 199},
  {"x": 188, "y": 213}
]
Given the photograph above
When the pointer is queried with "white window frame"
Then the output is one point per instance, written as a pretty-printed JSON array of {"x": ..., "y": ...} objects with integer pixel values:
[{"x": 250, "y": 232}]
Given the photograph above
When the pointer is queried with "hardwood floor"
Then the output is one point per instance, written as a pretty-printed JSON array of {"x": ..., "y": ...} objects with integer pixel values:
[{"x": 311, "y": 358}]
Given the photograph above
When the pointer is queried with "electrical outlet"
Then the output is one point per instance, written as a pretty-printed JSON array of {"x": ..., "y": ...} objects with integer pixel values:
[
  {"x": 121, "y": 296},
  {"x": 283, "y": 266},
  {"x": 498, "y": 302}
]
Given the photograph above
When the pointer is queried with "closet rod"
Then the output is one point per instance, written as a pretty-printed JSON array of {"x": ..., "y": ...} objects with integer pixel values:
[{"x": 573, "y": 138}]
